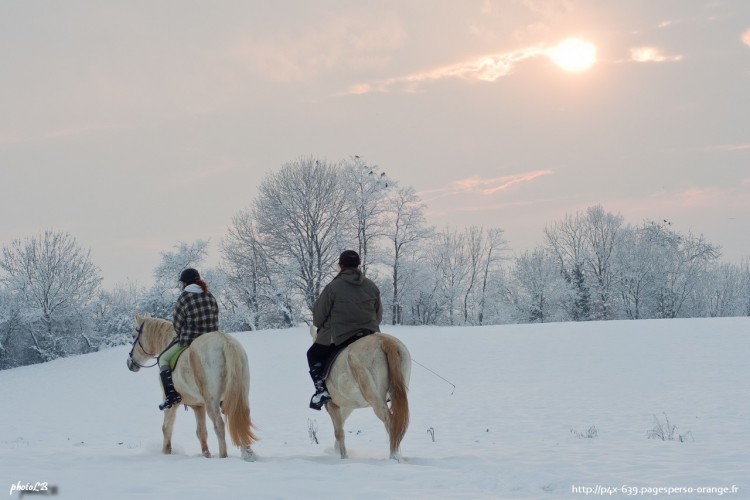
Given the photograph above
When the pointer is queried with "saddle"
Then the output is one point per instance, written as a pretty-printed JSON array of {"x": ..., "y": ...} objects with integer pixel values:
[{"x": 340, "y": 348}]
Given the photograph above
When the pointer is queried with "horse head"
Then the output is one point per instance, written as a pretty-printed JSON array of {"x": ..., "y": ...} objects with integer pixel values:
[{"x": 142, "y": 350}]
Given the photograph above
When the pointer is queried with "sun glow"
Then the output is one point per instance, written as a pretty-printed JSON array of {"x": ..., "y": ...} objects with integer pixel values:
[{"x": 574, "y": 55}]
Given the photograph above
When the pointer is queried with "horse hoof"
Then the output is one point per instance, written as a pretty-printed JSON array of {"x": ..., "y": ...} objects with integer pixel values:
[{"x": 249, "y": 456}]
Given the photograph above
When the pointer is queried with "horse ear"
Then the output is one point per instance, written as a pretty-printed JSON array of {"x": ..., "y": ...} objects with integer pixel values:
[{"x": 138, "y": 318}]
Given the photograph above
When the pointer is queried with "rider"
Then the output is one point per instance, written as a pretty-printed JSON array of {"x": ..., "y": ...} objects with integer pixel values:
[
  {"x": 196, "y": 312},
  {"x": 348, "y": 309}
]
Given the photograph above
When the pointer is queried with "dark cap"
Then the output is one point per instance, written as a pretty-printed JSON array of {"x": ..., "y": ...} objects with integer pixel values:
[
  {"x": 189, "y": 276},
  {"x": 349, "y": 259}
]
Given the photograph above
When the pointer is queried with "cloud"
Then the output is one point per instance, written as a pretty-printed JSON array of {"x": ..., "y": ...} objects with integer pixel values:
[
  {"x": 491, "y": 186},
  {"x": 746, "y": 37},
  {"x": 651, "y": 54},
  {"x": 486, "y": 68},
  {"x": 476, "y": 185}
]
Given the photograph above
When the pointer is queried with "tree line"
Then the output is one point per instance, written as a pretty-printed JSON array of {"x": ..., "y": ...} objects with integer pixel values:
[{"x": 282, "y": 248}]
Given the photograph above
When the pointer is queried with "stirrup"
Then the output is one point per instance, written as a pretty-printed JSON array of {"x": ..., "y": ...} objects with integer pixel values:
[
  {"x": 319, "y": 399},
  {"x": 170, "y": 402}
]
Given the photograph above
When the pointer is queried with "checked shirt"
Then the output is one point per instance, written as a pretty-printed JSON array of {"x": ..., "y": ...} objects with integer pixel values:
[{"x": 194, "y": 315}]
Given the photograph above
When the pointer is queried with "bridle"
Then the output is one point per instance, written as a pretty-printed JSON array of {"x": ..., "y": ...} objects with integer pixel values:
[{"x": 137, "y": 341}]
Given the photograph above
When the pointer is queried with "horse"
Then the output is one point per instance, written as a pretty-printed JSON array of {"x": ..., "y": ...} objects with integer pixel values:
[
  {"x": 212, "y": 376},
  {"x": 369, "y": 372}
]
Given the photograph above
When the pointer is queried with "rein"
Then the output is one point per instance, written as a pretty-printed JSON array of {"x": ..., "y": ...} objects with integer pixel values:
[{"x": 137, "y": 341}]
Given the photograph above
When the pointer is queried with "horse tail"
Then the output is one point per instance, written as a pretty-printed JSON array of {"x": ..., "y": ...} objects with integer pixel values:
[
  {"x": 399, "y": 418},
  {"x": 235, "y": 397}
]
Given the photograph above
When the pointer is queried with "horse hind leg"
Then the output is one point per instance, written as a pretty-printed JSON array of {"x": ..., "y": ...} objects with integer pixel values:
[
  {"x": 214, "y": 413},
  {"x": 376, "y": 396},
  {"x": 200, "y": 430}
]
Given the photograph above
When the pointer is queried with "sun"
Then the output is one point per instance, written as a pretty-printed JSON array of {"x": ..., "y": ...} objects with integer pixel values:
[{"x": 574, "y": 55}]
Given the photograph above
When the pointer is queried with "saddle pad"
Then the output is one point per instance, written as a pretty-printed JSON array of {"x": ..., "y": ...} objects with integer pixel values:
[{"x": 177, "y": 354}]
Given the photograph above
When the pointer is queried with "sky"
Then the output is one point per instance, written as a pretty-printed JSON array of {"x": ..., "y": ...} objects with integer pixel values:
[
  {"x": 538, "y": 411},
  {"x": 137, "y": 125}
]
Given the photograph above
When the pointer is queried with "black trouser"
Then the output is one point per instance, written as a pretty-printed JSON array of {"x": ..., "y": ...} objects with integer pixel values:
[{"x": 320, "y": 353}]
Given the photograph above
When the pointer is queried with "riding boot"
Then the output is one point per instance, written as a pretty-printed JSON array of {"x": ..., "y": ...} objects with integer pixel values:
[
  {"x": 321, "y": 395},
  {"x": 171, "y": 396}
]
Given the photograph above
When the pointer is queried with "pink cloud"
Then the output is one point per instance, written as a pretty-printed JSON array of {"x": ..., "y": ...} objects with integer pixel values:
[
  {"x": 491, "y": 186},
  {"x": 476, "y": 185},
  {"x": 486, "y": 68},
  {"x": 746, "y": 37}
]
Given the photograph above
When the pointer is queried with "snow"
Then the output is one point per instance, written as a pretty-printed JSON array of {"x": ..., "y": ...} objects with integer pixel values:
[{"x": 523, "y": 395}]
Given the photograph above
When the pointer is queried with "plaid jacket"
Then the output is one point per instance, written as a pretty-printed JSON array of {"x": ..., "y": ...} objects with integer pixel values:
[{"x": 194, "y": 315}]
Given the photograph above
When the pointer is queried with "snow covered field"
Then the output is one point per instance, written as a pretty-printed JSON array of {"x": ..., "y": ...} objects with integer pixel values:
[{"x": 538, "y": 411}]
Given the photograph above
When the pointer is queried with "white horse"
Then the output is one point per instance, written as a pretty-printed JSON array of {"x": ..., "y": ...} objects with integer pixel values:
[
  {"x": 212, "y": 376},
  {"x": 369, "y": 372}
]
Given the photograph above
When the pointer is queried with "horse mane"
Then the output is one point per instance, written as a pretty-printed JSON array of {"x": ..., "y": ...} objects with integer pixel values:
[{"x": 161, "y": 333}]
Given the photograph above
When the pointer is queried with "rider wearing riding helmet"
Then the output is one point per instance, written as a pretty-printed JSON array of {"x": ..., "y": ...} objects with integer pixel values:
[
  {"x": 348, "y": 309},
  {"x": 196, "y": 312}
]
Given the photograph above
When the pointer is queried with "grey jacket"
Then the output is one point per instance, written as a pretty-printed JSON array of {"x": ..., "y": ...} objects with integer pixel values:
[{"x": 349, "y": 304}]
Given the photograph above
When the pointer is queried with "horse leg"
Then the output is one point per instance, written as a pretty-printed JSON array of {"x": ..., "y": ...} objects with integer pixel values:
[
  {"x": 376, "y": 397},
  {"x": 201, "y": 431},
  {"x": 214, "y": 413},
  {"x": 167, "y": 427},
  {"x": 338, "y": 417}
]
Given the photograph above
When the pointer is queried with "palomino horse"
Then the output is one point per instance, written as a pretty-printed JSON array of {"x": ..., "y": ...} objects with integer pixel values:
[
  {"x": 212, "y": 376},
  {"x": 369, "y": 372}
]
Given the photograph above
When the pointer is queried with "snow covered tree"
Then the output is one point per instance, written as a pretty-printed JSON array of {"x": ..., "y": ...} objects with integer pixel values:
[
  {"x": 484, "y": 251},
  {"x": 682, "y": 265},
  {"x": 567, "y": 241},
  {"x": 536, "y": 288},
  {"x": 368, "y": 188},
  {"x": 300, "y": 215},
  {"x": 448, "y": 261},
  {"x": 113, "y": 313},
  {"x": 602, "y": 232},
  {"x": 585, "y": 247},
  {"x": 54, "y": 280},
  {"x": 160, "y": 299},
  {"x": 257, "y": 297},
  {"x": 406, "y": 228}
]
